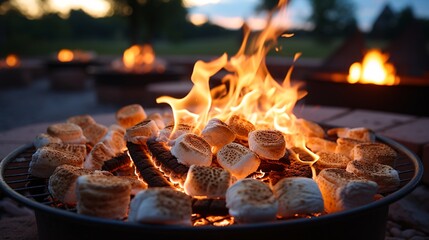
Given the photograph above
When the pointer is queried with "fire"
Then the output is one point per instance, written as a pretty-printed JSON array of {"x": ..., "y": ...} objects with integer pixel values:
[
  {"x": 248, "y": 89},
  {"x": 12, "y": 60},
  {"x": 65, "y": 55},
  {"x": 374, "y": 69},
  {"x": 141, "y": 58}
]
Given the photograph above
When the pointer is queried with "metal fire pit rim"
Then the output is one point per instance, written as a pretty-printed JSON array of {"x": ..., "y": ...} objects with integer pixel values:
[{"x": 384, "y": 202}]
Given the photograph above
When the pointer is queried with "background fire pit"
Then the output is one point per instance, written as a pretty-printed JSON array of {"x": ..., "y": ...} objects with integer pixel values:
[{"x": 54, "y": 221}]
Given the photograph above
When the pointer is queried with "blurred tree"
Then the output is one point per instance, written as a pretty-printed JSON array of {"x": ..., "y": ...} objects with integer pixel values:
[
  {"x": 149, "y": 19},
  {"x": 332, "y": 18}
]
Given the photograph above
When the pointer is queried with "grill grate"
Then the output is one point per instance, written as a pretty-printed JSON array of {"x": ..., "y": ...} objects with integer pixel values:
[{"x": 16, "y": 176}]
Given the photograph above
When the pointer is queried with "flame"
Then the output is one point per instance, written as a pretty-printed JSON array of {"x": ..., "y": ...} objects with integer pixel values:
[
  {"x": 373, "y": 69},
  {"x": 141, "y": 58},
  {"x": 65, "y": 55},
  {"x": 12, "y": 60},
  {"x": 248, "y": 89}
]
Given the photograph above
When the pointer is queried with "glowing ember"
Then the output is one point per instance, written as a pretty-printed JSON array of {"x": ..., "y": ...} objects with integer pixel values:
[
  {"x": 65, "y": 55},
  {"x": 373, "y": 69},
  {"x": 141, "y": 58}
]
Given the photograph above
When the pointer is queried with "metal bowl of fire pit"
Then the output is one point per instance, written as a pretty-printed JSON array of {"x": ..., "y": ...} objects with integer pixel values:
[{"x": 54, "y": 222}]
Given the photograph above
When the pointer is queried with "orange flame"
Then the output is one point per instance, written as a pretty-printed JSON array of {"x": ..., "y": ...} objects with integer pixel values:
[
  {"x": 65, "y": 55},
  {"x": 374, "y": 69},
  {"x": 12, "y": 60},
  {"x": 141, "y": 58}
]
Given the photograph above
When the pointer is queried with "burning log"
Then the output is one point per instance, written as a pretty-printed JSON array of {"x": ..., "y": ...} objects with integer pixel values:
[
  {"x": 117, "y": 162},
  {"x": 166, "y": 161},
  {"x": 209, "y": 207},
  {"x": 143, "y": 162}
]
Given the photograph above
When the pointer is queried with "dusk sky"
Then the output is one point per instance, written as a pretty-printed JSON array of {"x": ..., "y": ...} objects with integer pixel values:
[{"x": 227, "y": 12}]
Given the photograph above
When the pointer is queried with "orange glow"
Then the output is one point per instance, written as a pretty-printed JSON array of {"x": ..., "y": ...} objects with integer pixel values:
[
  {"x": 248, "y": 89},
  {"x": 141, "y": 58},
  {"x": 65, "y": 55},
  {"x": 373, "y": 69},
  {"x": 12, "y": 60}
]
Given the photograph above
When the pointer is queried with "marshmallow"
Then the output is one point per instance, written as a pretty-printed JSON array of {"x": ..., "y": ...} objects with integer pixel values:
[
  {"x": 240, "y": 126},
  {"x": 161, "y": 206},
  {"x": 94, "y": 133},
  {"x": 97, "y": 156},
  {"x": 210, "y": 182},
  {"x": 103, "y": 196},
  {"x": 139, "y": 133},
  {"x": 331, "y": 160},
  {"x": 317, "y": 144},
  {"x": 251, "y": 200},
  {"x": 385, "y": 176},
  {"x": 217, "y": 134},
  {"x": 67, "y": 132},
  {"x": 309, "y": 128},
  {"x": 298, "y": 195},
  {"x": 361, "y": 134},
  {"x": 115, "y": 141},
  {"x": 268, "y": 144},
  {"x": 158, "y": 119},
  {"x": 62, "y": 182},
  {"x": 130, "y": 115},
  {"x": 238, "y": 160},
  {"x": 345, "y": 146},
  {"x": 190, "y": 149},
  {"x": 169, "y": 133},
  {"x": 375, "y": 152},
  {"x": 44, "y": 139},
  {"x": 342, "y": 190},
  {"x": 81, "y": 120}
]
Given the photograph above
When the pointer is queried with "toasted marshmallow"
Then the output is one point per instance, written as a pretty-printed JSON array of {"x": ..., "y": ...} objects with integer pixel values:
[
  {"x": 238, "y": 160},
  {"x": 217, "y": 134},
  {"x": 385, "y": 176},
  {"x": 158, "y": 119},
  {"x": 67, "y": 132},
  {"x": 268, "y": 144},
  {"x": 298, "y": 195},
  {"x": 169, "y": 133},
  {"x": 251, "y": 200},
  {"x": 309, "y": 128},
  {"x": 94, "y": 133},
  {"x": 97, "y": 156},
  {"x": 331, "y": 160},
  {"x": 45, "y": 160},
  {"x": 345, "y": 146},
  {"x": 317, "y": 144},
  {"x": 130, "y": 115},
  {"x": 342, "y": 190},
  {"x": 361, "y": 134},
  {"x": 375, "y": 152},
  {"x": 44, "y": 139},
  {"x": 190, "y": 149},
  {"x": 137, "y": 185},
  {"x": 79, "y": 150},
  {"x": 115, "y": 141},
  {"x": 139, "y": 133},
  {"x": 117, "y": 128},
  {"x": 103, "y": 196},
  {"x": 210, "y": 182},
  {"x": 161, "y": 206},
  {"x": 82, "y": 120},
  {"x": 62, "y": 182},
  {"x": 240, "y": 126}
]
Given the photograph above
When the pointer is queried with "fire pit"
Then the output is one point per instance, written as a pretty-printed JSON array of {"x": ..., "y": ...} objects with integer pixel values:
[
  {"x": 68, "y": 70},
  {"x": 124, "y": 81},
  {"x": 54, "y": 222}
]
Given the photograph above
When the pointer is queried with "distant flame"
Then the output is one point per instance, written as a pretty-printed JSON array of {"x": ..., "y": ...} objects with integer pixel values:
[
  {"x": 373, "y": 69},
  {"x": 65, "y": 55},
  {"x": 12, "y": 60},
  {"x": 141, "y": 58}
]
